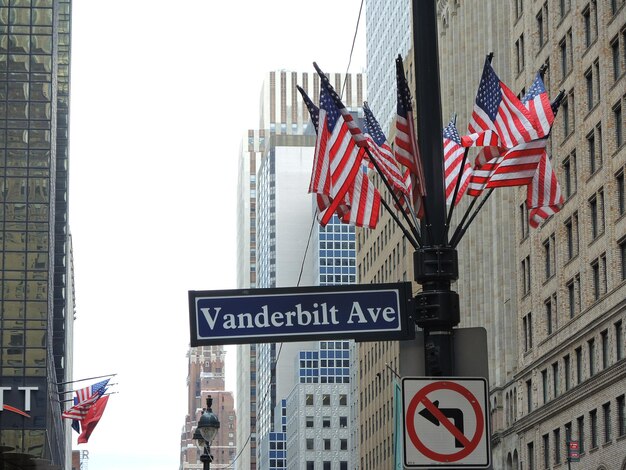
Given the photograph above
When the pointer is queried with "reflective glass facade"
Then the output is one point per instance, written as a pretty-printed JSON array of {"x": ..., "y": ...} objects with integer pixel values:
[{"x": 35, "y": 272}]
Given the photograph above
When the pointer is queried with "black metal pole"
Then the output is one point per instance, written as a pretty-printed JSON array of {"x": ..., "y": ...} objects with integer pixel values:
[{"x": 435, "y": 263}]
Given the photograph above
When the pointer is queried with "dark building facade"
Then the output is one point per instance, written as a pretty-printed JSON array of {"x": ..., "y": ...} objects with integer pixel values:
[{"x": 36, "y": 282}]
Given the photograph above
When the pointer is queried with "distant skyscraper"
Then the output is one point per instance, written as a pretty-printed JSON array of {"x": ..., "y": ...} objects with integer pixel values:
[
  {"x": 287, "y": 137},
  {"x": 36, "y": 276},
  {"x": 388, "y": 33},
  {"x": 206, "y": 378}
]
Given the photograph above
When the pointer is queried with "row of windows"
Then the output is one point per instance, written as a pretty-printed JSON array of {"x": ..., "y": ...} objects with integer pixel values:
[
  {"x": 326, "y": 421},
  {"x": 602, "y": 425},
  {"x": 585, "y": 361},
  {"x": 341, "y": 399},
  {"x": 326, "y": 465},
  {"x": 326, "y": 444}
]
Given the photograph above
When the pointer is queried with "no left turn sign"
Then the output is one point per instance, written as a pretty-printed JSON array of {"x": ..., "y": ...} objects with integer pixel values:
[{"x": 446, "y": 422}]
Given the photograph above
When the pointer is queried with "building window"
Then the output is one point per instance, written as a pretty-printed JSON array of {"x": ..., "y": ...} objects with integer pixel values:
[
  {"x": 519, "y": 52},
  {"x": 619, "y": 125},
  {"x": 309, "y": 422},
  {"x": 571, "y": 228},
  {"x": 343, "y": 444},
  {"x": 326, "y": 444},
  {"x": 590, "y": 22},
  {"x": 621, "y": 417},
  {"x": 549, "y": 250},
  {"x": 549, "y": 316},
  {"x": 325, "y": 399},
  {"x": 529, "y": 395},
  {"x": 544, "y": 385},
  {"x": 580, "y": 421},
  {"x": 579, "y": 365},
  {"x": 573, "y": 296},
  {"x": 524, "y": 220},
  {"x": 546, "y": 450},
  {"x": 310, "y": 465},
  {"x": 621, "y": 201},
  {"x": 309, "y": 399},
  {"x": 343, "y": 421},
  {"x": 310, "y": 444},
  {"x": 568, "y": 113},
  {"x": 594, "y": 149},
  {"x": 593, "y": 418},
  {"x": 565, "y": 48},
  {"x": 569, "y": 173},
  {"x": 519, "y": 8},
  {"x": 622, "y": 255},
  {"x": 566, "y": 371},
  {"x": 604, "y": 339},
  {"x": 542, "y": 25},
  {"x": 555, "y": 379},
  {"x": 343, "y": 399},
  {"x": 343, "y": 465},
  {"x": 606, "y": 414},
  {"x": 557, "y": 445},
  {"x": 564, "y": 7},
  {"x": 528, "y": 331},
  {"x": 326, "y": 465},
  {"x": 526, "y": 275},
  {"x": 619, "y": 345},
  {"x": 531, "y": 455},
  {"x": 617, "y": 55},
  {"x": 326, "y": 422},
  {"x": 596, "y": 214}
]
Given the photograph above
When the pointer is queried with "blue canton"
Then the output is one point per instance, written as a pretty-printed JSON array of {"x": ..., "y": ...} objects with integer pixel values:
[
  {"x": 489, "y": 93},
  {"x": 372, "y": 127},
  {"x": 451, "y": 132},
  {"x": 535, "y": 90}
]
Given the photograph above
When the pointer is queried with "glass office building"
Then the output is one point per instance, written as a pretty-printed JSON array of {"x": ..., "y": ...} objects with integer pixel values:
[{"x": 36, "y": 305}]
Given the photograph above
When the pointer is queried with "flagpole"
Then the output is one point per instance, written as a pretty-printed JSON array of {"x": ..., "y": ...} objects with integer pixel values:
[
  {"x": 407, "y": 234},
  {"x": 88, "y": 378},
  {"x": 416, "y": 234},
  {"x": 456, "y": 188},
  {"x": 460, "y": 231}
]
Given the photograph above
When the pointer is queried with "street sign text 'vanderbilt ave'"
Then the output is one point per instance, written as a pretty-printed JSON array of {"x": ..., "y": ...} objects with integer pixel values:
[{"x": 365, "y": 312}]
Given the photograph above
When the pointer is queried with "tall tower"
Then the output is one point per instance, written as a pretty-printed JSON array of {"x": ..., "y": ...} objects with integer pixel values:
[
  {"x": 282, "y": 149},
  {"x": 36, "y": 300},
  {"x": 206, "y": 378}
]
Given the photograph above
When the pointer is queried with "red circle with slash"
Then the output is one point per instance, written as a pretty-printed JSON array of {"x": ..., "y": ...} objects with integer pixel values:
[{"x": 469, "y": 445}]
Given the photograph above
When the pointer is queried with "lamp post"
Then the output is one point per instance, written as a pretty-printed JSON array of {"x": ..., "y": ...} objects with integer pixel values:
[{"x": 205, "y": 432}]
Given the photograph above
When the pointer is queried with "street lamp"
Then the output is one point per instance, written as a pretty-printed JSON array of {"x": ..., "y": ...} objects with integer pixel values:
[{"x": 205, "y": 432}]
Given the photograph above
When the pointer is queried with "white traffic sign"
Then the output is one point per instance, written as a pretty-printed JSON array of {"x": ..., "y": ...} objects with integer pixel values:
[{"x": 446, "y": 422}]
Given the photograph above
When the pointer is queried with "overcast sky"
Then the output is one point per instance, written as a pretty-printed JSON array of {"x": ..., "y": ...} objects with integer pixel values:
[{"x": 161, "y": 95}]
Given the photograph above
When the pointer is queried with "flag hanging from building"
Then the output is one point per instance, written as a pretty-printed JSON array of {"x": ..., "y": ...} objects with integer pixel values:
[
  {"x": 406, "y": 149},
  {"x": 538, "y": 104},
  {"x": 544, "y": 197},
  {"x": 453, "y": 154},
  {"x": 92, "y": 418},
  {"x": 497, "y": 109},
  {"x": 86, "y": 397}
]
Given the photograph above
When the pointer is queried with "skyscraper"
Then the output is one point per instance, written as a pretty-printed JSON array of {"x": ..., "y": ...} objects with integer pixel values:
[
  {"x": 280, "y": 154},
  {"x": 36, "y": 300},
  {"x": 206, "y": 378}
]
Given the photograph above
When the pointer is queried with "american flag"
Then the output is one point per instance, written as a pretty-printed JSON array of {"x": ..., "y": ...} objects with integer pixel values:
[
  {"x": 453, "y": 154},
  {"x": 337, "y": 179},
  {"x": 538, "y": 104},
  {"x": 544, "y": 197},
  {"x": 406, "y": 149},
  {"x": 380, "y": 150},
  {"x": 84, "y": 399},
  {"x": 515, "y": 167},
  {"x": 498, "y": 109}
]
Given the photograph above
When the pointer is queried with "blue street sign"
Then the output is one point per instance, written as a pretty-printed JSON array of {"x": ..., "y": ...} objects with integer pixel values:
[{"x": 361, "y": 312}]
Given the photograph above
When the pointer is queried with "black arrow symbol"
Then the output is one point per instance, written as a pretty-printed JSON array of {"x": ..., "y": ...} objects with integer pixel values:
[{"x": 454, "y": 413}]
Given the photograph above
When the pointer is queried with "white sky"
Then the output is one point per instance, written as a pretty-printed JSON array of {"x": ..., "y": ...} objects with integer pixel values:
[{"x": 162, "y": 93}]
